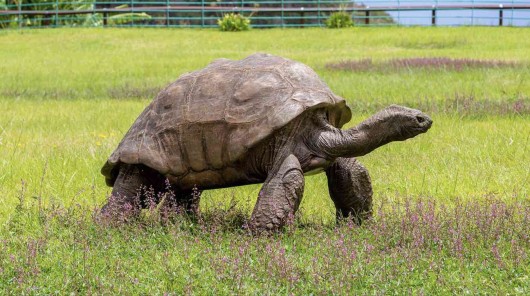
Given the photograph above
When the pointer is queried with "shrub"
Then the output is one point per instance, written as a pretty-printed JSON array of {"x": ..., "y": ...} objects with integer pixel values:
[
  {"x": 128, "y": 18},
  {"x": 233, "y": 22},
  {"x": 339, "y": 19}
]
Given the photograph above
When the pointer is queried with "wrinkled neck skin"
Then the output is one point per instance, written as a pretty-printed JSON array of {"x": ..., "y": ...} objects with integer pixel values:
[{"x": 357, "y": 141}]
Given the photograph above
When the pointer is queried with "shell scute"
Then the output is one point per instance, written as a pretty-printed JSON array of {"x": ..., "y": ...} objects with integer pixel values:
[
  {"x": 169, "y": 142},
  {"x": 259, "y": 93}
]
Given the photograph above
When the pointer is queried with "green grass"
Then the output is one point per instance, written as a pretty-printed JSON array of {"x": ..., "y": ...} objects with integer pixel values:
[
  {"x": 67, "y": 97},
  {"x": 101, "y": 63}
]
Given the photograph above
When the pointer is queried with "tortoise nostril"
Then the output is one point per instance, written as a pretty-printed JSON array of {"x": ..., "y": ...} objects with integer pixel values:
[{"x": 420, "y": 119}]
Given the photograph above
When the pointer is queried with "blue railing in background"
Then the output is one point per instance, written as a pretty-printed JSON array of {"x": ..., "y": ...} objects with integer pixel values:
[
  {"x": 282, "y": 13},
  {"x": 457, "y": 12}
]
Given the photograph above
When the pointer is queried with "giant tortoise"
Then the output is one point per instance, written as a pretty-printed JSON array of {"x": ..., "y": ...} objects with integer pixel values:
[{"x": 264, "y": 119}]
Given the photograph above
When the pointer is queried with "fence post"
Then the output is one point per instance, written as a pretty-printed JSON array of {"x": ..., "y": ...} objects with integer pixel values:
[
  {"x": 398, "y": 12},
  {"x": 318, "y": 13},
  {"x": 132, "y": 11},
  {"x": 302, "y": 17},
  {"x": 19, "y": 4},
  {"x": 283, "y": 24},
  {"x": 243, "y": 9},
  {"x": 473, "y": 13},
  {"x": 367, "y": 16},
  {"x": 56, "y": 13},
  {"x": 167, "y": 13},
  {"x": 433, "y": 16},
  {"x": 202, "y": 13},
  {"x": 501, "y": 12}
]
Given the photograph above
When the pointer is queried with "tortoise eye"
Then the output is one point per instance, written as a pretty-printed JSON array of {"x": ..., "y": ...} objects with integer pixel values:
[{"x": 324, "y": 116}]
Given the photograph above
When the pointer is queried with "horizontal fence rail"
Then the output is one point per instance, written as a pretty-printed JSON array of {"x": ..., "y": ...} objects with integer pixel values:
[{"x": 262, "y": 13}]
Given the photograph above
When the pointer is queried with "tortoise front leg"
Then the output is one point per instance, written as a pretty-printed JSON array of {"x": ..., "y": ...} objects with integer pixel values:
[
  {"x": 350, "y": 189},
  {"x": 279, "y": 197}
]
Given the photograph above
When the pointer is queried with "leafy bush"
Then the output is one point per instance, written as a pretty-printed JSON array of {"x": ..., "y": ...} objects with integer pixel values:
[
  {"x": 127, "y": 18},
  {"x": 5, "y": 20},
  {"x": 233, "y": 22},
  {"x": 339, "y": 19}
]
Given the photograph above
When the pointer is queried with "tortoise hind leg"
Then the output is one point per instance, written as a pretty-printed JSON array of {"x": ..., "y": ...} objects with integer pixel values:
[
  {"x": 279, "y": 197},
  {"x": 350, "y": 189}
]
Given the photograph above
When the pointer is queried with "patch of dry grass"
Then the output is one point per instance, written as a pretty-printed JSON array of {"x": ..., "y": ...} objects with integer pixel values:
[{"x": 426, "y": 63}]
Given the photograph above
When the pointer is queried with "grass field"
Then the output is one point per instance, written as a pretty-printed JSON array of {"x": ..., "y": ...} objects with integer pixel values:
[{"x": 452, "y": 207}]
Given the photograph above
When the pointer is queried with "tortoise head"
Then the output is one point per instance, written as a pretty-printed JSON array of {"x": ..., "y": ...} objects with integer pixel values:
[{"x": 402, "y": 123}]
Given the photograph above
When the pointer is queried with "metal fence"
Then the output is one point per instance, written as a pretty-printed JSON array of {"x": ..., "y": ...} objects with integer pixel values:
[
  {"x": 267, "y": 13},
  {"x": 456, "y": 12}
]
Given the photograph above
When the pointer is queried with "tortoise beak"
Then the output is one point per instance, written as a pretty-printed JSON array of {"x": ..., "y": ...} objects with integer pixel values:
[{"x": 424, "y": 122}]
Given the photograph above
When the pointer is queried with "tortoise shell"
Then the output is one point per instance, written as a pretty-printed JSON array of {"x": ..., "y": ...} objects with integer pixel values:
[{"x": 210, "y": 118}]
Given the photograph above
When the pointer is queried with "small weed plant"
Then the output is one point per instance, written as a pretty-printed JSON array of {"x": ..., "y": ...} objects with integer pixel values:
[
  {"x": 234, "y": 22},
  {"x": 340, "y": 19}
]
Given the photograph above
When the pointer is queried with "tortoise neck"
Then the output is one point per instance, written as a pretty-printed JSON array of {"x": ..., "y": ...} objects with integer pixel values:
[{"x": 357, "y": 141}]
